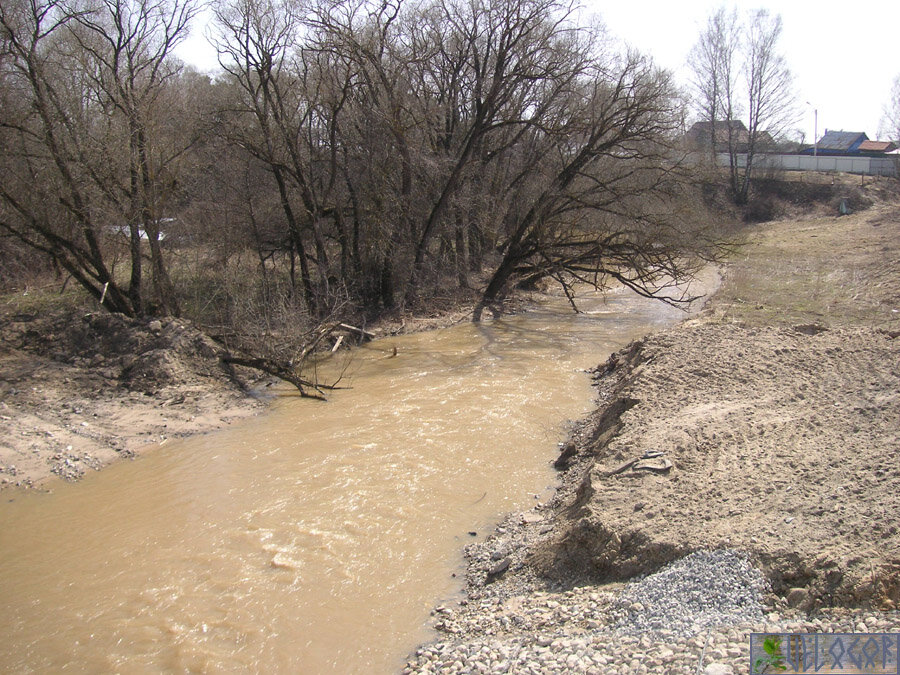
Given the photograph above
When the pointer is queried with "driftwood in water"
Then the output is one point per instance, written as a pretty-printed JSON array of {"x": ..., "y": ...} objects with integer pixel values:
[
  {"x": 290, "y": 370},
  {"x": 363, "y": 334},
  {"x": 282, "y": 371}
]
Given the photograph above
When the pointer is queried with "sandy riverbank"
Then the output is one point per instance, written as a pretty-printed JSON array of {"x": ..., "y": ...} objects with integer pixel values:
[
  {"x": 767, "y": 425},
  {"x": 79, "y": 390}
]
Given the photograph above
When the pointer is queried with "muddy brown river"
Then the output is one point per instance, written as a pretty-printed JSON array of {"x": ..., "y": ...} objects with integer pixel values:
[{"x": 317, "y": 537}]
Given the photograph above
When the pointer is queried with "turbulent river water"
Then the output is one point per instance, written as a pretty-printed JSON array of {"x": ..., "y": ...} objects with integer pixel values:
[{"x": 317, "y": 537}]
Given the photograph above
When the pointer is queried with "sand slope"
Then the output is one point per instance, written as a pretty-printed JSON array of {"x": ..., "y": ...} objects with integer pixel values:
[
  {"x": 782, "y": 442},
  {"x": 78, "y": 391},
  {"x": 778, "y": 409}
]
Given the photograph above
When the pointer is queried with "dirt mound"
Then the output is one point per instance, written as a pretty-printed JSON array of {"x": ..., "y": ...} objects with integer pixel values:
[
  {"x": 774, "y": 440},
  {"x": 78, "y": 390},
  {"x": 139, "y": 355},
  {"x": 800, "y": 195}
]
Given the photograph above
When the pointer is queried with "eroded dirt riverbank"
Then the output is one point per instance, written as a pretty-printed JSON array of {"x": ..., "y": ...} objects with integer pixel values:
[
  {"x": 79, "y": 390},
  {"x": 774, "y": 437},
  {"x": 767, "y": 425}
]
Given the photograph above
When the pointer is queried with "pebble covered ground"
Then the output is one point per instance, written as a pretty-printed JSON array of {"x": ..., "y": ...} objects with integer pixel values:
[{"x": 694, "y": 616}]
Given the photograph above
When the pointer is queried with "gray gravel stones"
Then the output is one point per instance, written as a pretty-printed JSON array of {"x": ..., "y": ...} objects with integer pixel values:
[
  {"x": 708, "y": 604},
  {"x": 556, "y": 644},
  {"x": 705, "y": 588}
]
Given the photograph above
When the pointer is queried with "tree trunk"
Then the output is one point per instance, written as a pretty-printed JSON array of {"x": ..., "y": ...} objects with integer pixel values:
[
  {"x": 386, "y": 283},
  {"x": 497, "y": 285},
  {"x": 462, "y": 263},
  {"x": 297, "y": 241}
]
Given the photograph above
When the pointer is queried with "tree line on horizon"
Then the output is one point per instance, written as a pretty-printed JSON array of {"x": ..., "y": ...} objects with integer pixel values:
[{"x": 352, "y": 156}]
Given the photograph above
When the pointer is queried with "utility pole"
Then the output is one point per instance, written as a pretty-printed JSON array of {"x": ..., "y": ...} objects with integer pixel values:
[
  {"x": 815, "y": 129},
  {"x": 815, "y": 132}
]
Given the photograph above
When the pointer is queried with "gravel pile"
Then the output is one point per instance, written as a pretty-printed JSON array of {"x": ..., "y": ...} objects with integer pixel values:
[
  {"x": 705, "y": 588},
  {"x": 692, "y": 617}
]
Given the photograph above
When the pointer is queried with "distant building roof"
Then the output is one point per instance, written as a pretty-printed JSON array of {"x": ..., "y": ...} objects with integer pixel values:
[
  {"x": 700, "y": 132},
  {"x": 877, "y": 146},
  {"x": 699, "y": 135},
  {"x": 841, "y": 141}
]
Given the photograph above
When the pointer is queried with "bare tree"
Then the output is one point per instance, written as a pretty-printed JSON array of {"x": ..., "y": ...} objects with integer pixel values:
[
  {"x": 256, "y": 43},
  {"x": 714, "y": 69},
  {"x": 738, "y": 71},
  {"x": 83, "y": 159},
  {"x": 411, "y": 143},
  {"x": 609, "y": 201},
  {"x": 373, "y": 48},
  {"x": 128, "y": 43},
  {"x": 771, "y": 104},
  {"x": 890, "y": 122}
]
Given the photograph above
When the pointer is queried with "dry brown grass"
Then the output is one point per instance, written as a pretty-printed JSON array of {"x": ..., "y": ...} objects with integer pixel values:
[{"x": 819, "y": 268}]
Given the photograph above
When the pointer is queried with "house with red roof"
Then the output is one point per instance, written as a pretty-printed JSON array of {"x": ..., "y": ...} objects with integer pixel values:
[
  {"x": 877, "y": 147},
  {"x": 849, "y": 143}
]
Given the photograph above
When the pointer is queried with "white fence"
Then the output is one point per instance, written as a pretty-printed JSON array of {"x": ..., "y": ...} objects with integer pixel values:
[{"x": 870, "y": 166}]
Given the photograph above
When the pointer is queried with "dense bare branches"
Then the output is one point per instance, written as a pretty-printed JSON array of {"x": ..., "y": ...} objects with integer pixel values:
[
  {"x": 739, "y": 75},
  {"x": 351, "y": 154},
  {"x": 84, "y": 158},
  {"x": 412, "y": 136},
  {"x": 609, "y": 204}
]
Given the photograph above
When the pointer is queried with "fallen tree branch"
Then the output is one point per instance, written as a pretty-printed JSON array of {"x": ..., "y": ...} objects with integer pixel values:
[
  {"x": 322, "y": 332},
  {"x": 286, "y": 358},
  {"x": 281, "y": 371},
  {"x": 359, "y": 331}
]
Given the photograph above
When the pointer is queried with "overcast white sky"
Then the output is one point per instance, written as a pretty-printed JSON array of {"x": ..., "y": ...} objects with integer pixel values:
[{"x": 844, "y": 57}]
